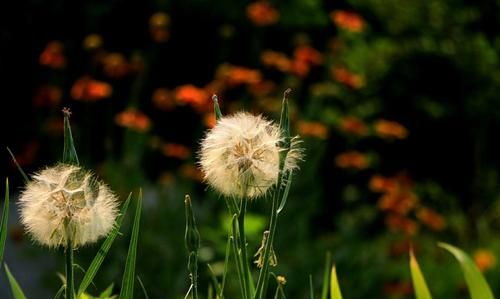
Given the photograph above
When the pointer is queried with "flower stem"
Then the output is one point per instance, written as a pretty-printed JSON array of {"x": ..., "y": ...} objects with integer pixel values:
[
  {"x": 243, "y": 248},
  {"x": 70, "y": 285}
]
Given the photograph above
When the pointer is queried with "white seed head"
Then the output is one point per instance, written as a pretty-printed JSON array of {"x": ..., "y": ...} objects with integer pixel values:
[
  {"x": 240, "y": 155},
  {"x": 65, "y": 205}
]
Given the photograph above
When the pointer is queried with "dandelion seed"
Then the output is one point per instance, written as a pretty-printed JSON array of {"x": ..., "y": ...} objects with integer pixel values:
[
  {"x": 240, "y": 156},
  {"x": 65, "y": 205}
]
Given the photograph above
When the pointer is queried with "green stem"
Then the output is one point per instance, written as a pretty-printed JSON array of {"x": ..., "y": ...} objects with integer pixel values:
[
  {"x": 264, "y": 271},
  {"x": 193, "y": 262},
  {"x": 70, "y": 285},
  {"x": 243, "y": 247}
]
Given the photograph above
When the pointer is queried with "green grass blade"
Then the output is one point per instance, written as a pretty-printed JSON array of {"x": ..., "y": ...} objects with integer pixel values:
[
  {"x": 17, "y": 292},
  {"x": 478, "y": 287},
  {"x": 60, "y": 292},
  {"x": 127, "y": 291},
  {"x": 5, "y": 218},
  {"x": 335, "y": 292},
  {"x": 311, "y": 287},
  {"x": 144, "y": 292},
  {"x": 285, "y": 193},
  {"x": 103, "y": 251},
  {"x": 23, "y": 174},
  {"x": 69, "y": 151},
  {"x": 107, "y": 292},
  {"x": 326, "y": 276},
  {"x": 419, "y": 284},
  {"x": 216, "y": 284}
]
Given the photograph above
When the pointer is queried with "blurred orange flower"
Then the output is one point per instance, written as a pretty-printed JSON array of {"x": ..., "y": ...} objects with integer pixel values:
[
  {"x": 192, "y": 172},
  {"x": 262, "y": 13},
  {"x": 402, "y": 224},
  {"x": 238, "y": 75},
  {"x": 174, "y": 150},
  {"x": 390, "y": 129},
  {"x": 276, "y": 60},
  {"x": 352, "y": 159},
  {"x": 400, "y": 201},
  {"x": 347, "y": 20},
  {"x": 159, "y": 27},
  {"x": 115, "y": 65},
  {"x": 47, "y": 96},
  {"x": 431, "y": 218},
  {"x": 308, "y": 55},
  {"x": 90, "y": 90},
  {"x": 262, "y": 88},
  {"x": 92, "y": 42},
  {"x": 398, "y": 289},
  {"x": 133, "y": 119},
  {"x": 484, "y": 259},
  {"x": 53, "y": 55},
  {"x": 347, "y": 78},
  {"x": 315, "y": 129},
  {"x": 189, "y": 94},
  {"x": 353, "y": 125},
  {"x": 163, "y": 99},
  {"x": 379, "y": 183}
]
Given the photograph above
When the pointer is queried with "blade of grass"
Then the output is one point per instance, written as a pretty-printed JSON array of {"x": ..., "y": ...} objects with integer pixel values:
[
  {"x": 144, "y": 292},
  {"x": 218, "y": 288},
  {"x": 107, "y": 292},
  {"x": 17, "y": 292},
  {"x": 335, "y": 292},
  {"x": 23, "y": 174},
  {"x": 478, "y": 287},
  {"x": 127, "y": 290},
  {"x": 60, "y": 292},
  {"x": 103, "y": 251},
  {"x": 419, "y": 284},
  {"x": 326, "y": 276},
  {"x": 5, "y": 218},
  {"x": 311, "y": 287}
]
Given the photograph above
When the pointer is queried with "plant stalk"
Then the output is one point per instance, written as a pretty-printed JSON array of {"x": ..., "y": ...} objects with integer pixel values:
[
  {"x": 243, "y": 247},
  {"x": 70, "y": 284}
]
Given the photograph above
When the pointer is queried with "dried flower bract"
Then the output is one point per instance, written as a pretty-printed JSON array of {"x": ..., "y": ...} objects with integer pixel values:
[{"x": 65, "y": 205}]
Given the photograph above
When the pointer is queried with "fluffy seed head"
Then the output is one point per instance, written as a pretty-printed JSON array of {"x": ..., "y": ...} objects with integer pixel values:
[
  {"x": 240, "y": 156},
  {"x": 65, "y": 205}
]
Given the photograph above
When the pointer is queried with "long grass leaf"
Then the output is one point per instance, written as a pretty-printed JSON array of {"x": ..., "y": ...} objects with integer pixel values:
[
  {"x": 326, "y": 276},
  {"x": 103, "y": 251},
  {"x": 17, "y": 292},
  {"x": 60, "y": 292},
  {"x": 335, "y": 292},
  {"x": 419, "y": 284},
  {"x": 127, "y": 289},
  {"x": 478, "y": 287},
  {"x": 5, "y": 218},
  {"x": 23, "y": 174},
  {"x": 218, "y": 288},
  {"x": 144, "y": 292},
  {"x": 311, "y": 287}
]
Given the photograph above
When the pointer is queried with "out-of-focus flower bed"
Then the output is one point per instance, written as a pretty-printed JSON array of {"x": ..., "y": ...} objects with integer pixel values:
[{"x": 397, "y": 103}]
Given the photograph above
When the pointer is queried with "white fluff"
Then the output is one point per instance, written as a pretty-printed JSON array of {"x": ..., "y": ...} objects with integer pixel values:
[
  {"x": 240, "y": 155},
  {"x": 67, "y": 202}
]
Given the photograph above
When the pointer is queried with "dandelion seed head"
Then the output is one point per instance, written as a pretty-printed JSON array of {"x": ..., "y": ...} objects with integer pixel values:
[
  {"x": 66, "y": 203},
  {"x": 240, "y": 156}
]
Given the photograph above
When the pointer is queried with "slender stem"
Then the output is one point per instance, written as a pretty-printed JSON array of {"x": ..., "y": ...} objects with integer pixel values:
[
  {"x": 193, "y": 261},
  {"x": 243, "y": 247},
  {"x": 70, "y": 289},
  {"x": 264, "y": 271}
]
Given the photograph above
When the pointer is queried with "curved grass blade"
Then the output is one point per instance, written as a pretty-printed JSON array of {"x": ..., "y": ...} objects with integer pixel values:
[
  {"x": 326, "y": 276},
  {"x": 69, "y": 151},
  {"x": 478, "y": 287},
  {"x": 311, "y": 287},
  {"x": 23, "y": 174},
  {"x": 5, "y": 218},
  {"x": 60, "y": 292},
  {"x": 17, "y": 292},
  {"x": 285, "y": 193},
  {"x": 144, "y": 292},
  {"x": 216, "y": 284},
  {"x": 335, "y": 292},
  {"x": 127, "y": 291},
  {"x": 107, "y": 292},
  {"x": 103, "y": 251},
  {"x": 419, "y": 284}
]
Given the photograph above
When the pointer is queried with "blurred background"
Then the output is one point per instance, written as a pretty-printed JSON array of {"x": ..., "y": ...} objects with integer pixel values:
[{"x": 397, "y": 103}]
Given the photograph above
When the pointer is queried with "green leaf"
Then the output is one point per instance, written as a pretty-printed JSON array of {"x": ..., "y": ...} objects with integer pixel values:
[
  {"x": 69, "y": 152},
  {"x": 419, "y": 284},
  {"x": 5, "y": 218},
  {"x": 109, "y": 290},
  {"x": 335, "y": 292},
  {"x": 478, "y": 287},
  {"x": 216, "y": 284},
  {"x": 103, "y": 251},
  {"x": 144, "y": 292},
  {"x": 217, "y": 112},
  {"x": 326, "y": 276},
  {"x": 127, "y": 291},
  {"x": 23, "y": 174},
  {"x": 311, "y": 287},
  {"x": 17, "y": 293}
]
